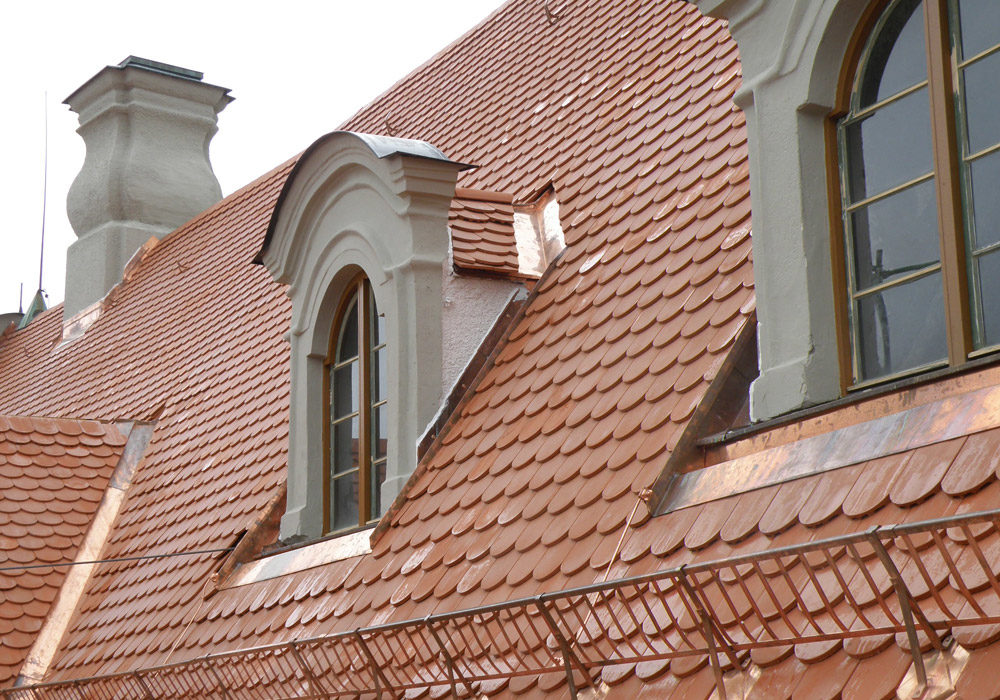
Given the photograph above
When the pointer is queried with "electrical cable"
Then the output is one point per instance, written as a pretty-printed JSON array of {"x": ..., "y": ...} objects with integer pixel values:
[{"x": 193, "y": 552}]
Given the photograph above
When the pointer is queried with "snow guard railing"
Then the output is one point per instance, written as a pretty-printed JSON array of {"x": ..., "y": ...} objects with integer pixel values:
[{"x": 920, "y": 579}]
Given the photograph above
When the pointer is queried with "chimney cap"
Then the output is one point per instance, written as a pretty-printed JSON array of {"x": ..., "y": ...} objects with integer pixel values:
[{"x": 158, "y": 67}]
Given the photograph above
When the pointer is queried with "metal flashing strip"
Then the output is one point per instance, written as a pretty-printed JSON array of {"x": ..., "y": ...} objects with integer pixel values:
[
  {"x": 74, "y": 585},
  {"x": 302, "y": 558},
  {"x": 832, "y": 589},
  {"x": 951, "y": 417}
]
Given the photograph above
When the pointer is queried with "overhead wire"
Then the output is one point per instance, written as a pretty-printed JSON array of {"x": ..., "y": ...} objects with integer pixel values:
[{"x": 189, "y": 553}]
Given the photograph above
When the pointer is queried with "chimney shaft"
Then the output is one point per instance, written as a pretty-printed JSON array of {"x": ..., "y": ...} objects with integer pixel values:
[{"x": 147, "y": 127}]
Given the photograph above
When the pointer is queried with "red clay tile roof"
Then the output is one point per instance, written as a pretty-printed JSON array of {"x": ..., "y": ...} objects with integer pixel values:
[
  {"x": 626, "y": 109},
  {"x": 53, "y": 473},
  {"x": 482, "y": 233}
]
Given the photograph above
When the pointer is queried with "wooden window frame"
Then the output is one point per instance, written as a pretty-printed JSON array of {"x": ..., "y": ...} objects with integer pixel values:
[
  {"x": 947, "y": 175},
  {"x": 359, "y": 287}
]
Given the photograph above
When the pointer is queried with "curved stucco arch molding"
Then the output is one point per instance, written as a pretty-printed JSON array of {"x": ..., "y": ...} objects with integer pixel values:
[
  {"x": 792, "y": 53},
  {"x": 360, "y": 203}
]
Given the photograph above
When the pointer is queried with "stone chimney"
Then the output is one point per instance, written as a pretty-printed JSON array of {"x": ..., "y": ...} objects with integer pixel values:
[{"x": 147, "y": 127}]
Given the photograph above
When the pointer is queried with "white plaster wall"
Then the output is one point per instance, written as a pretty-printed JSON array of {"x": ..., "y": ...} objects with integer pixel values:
[
  {"x": 470, "y": 307},
  {"x": 146, "y": 170},
  {"x": 791, "y": 53}
]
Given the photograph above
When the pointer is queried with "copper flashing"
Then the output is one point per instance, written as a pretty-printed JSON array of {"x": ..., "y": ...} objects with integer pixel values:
[
  {"x": 930, "y": 423},
  {"x": 725, "y": 399}
]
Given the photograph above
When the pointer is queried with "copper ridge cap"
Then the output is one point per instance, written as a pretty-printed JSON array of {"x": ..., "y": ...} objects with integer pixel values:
[{"x": 380, "y": 146}]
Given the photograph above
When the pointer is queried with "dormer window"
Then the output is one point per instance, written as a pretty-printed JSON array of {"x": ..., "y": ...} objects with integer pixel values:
[
  {"x": 919, "y": 154},
  {"x": 360, "y": 236},
  {"x": 357, "y": 429}
]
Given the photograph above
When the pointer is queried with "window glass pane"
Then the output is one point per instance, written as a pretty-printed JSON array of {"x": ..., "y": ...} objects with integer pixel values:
[
  {"x": 987, "y": 287},
  {"x": 378, "y": 322},
  {"x": 985, "y": 177},
  {"x": 379, "y": 375},
  {"x": 895, "y": 236},
  {"x": 345, "y": 502},
  {"x": 380, "y": 433},
  {"x": 344, "y": 445},
  {"x": 981, "y": 82},
  {"x": 897, "y": 59},
  {"x": 344, "y": 386},
  {"x": 378, "y": 476},
  {"x": 980, "y": 20},
  {"x": 347, "y": 344},
  {"x": 901, "y": 327},
  {"x": 890, "y": 147}
]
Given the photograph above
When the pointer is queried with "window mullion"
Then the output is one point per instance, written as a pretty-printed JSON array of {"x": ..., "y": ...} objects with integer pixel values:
[
  {"x": 950, "y": 226},
  {"x": 364, "y": 381}
]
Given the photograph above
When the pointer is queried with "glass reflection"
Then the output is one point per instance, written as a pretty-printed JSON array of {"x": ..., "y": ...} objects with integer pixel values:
[
  {"x": 987, "y": 287},
  {"x": 902, "y": 327},
  {"x": 345, "y": 501},
  {"x": 890, "y": 147},
  {"x": 345, "y": 445},
  {"x": 347, "y": 345},
  {"x": 895, "y": 236},
  {"x": 897, "y": 59},
  {"x": 979, "y": 20},
  {"x": 981, "y": 84},
  {"x": 985, "y": 176}
]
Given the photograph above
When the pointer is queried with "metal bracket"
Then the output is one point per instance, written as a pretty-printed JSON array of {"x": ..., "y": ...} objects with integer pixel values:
[
  {"x": 708, "y": 632},
  {"x": 314, "y": 683},
  {"x": 218, "y": 679},
  {"x": 569, "y": 658},
  {"x": 377, "y": 676},
  {"x": 142, "y": 684},
  {"x": 452, "y": 671},
  {"x": 907, "y": 608}
]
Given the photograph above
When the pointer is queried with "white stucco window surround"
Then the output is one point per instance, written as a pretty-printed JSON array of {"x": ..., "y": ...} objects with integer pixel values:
[
  {"x": 792, "y": 53},
  {"x": 354, "y": 204}
]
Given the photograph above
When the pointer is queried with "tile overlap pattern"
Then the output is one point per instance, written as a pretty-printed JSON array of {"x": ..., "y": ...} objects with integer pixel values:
[
  {"x": 482, "y": 233},
  {"x": 53, "y": 472},
  {"x": 625, "y": 108}
]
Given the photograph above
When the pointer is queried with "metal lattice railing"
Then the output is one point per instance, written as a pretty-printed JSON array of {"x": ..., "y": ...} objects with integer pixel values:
[{"x": 921, "y": 579}]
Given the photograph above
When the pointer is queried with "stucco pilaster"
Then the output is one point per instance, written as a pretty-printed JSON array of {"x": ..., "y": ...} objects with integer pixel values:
[{"x": 791, "y": 53}]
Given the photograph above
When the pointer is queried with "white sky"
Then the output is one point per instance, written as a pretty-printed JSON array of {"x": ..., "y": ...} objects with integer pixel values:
[{"x": 297, "y": 69}]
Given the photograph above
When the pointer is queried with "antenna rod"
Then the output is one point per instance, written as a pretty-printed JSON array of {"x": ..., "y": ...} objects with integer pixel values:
[{"x": 45, "y": 193}]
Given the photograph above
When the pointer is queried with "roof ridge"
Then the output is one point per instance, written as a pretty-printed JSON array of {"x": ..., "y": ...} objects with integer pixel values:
[{"x": 426, "y": 64}]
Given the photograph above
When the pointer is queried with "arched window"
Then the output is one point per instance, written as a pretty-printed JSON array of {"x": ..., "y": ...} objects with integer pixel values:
[
  {"x": 355, "y": 426},
  {"x": 919, "y": 153}
]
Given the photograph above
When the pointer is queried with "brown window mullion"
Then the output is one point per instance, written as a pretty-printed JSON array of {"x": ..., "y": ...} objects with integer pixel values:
[
  {"x": 364, "y": 381},
  {"x": 327, "y": 442},
  {"x": 945, "y": 146}
]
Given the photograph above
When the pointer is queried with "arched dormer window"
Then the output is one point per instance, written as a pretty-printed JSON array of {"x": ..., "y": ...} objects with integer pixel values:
[
  {"x": 919, "y": 154},
  {"x": 360, "y": 218},
  {"x": 356, "y": 437}
]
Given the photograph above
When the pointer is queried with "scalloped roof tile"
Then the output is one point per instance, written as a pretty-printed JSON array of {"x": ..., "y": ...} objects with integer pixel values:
[
  {"x": 535, "y": 485},
  {"x": 47, "y": 502}
]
